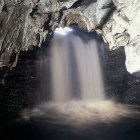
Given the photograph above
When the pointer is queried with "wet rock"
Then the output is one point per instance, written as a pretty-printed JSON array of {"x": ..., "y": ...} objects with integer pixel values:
[
  {"x": 132, "y": 96},
  {"x": 131, "y": 80}
]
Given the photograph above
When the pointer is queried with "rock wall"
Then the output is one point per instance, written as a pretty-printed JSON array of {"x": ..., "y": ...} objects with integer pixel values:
[{"x": 27, "y": 23}]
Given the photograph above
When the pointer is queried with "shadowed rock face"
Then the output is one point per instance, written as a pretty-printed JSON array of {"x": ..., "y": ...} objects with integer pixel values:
[
  {"x": 133, "y": 95},
  {"x": 12, "y": 20}
]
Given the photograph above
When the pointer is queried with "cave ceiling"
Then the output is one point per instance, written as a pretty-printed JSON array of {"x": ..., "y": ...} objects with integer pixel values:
[{"x": 27, "y": 23}]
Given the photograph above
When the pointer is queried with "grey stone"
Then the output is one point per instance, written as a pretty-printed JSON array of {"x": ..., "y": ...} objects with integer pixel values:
[
  {"x": 119, "y": 27},
  {"x": 132, "y": 96}
]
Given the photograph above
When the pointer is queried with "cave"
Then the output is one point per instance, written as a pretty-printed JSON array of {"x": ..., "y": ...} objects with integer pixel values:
[{"x": 69, "y": 69}]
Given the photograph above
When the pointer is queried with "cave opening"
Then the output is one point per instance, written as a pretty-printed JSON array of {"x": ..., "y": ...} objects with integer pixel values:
[{"x": 67, "y": 34}]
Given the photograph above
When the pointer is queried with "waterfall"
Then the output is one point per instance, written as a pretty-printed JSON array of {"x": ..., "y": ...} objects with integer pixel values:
[
  {"x": 76, "y": 97},
  {"x": 75, "y": 69}
]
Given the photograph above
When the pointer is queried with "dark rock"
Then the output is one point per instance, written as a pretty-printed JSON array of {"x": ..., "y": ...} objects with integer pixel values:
[
  {"x": 132, "y": 96},
  {"x": 116, "y": 72},
  {"x": 19, "y": 87},
  {"x": 131, "y": 80}
]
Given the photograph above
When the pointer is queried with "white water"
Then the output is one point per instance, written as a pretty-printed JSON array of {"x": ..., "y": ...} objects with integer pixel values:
[{"x": 75, "y": 69}]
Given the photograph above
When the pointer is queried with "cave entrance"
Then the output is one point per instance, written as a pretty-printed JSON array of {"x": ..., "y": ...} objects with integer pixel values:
[{"x": 74, "y": 66}]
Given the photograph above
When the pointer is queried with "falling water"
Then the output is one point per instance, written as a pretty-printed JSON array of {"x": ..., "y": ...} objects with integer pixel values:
[{"x": 75, "y": 69}]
